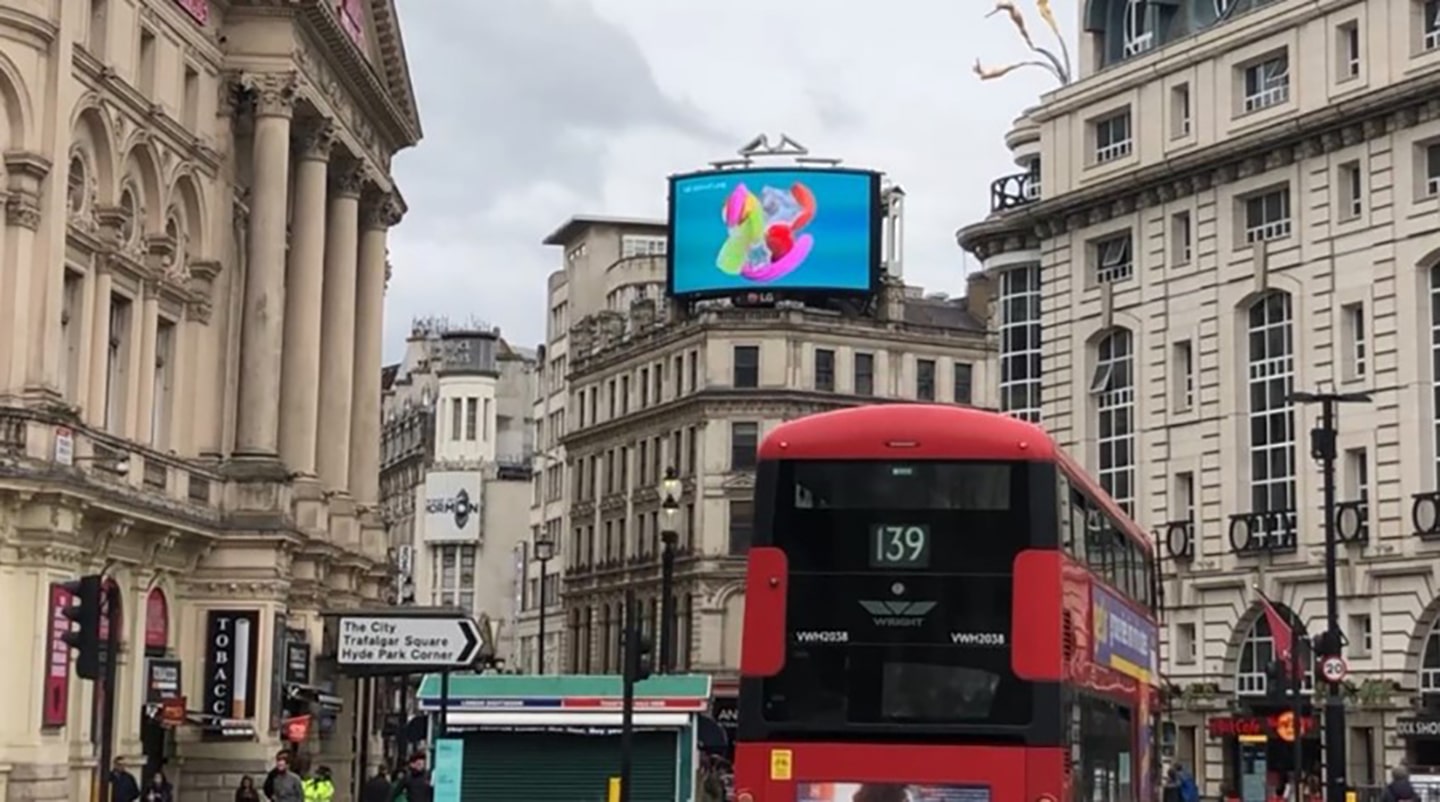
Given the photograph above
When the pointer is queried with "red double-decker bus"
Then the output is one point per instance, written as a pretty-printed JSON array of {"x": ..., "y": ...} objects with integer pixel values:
[{"x": 941, "y": 605}]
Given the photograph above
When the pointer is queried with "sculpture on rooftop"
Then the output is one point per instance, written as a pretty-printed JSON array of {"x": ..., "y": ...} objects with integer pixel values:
[{"x": 1056, "y": 65}]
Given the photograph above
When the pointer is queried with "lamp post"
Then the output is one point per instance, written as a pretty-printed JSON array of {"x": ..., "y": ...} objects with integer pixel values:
[
  {"x": 669, "y": 508},
  {"x": 1329, "y": 643},
  {"x": 544, "y": 552}
]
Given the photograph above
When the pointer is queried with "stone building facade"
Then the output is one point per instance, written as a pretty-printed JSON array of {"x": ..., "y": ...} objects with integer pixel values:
[
  {"x": 197, "y": 199},
  {"x": 1205, "y": 222}
]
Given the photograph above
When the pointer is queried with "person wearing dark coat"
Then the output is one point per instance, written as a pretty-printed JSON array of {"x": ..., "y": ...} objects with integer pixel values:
[
  {"x": 123, "y": 785},
  {"x": 377, "y": 788},
  {"x": 415, "y": 785},
  {"x": 1399, "y": 789}
]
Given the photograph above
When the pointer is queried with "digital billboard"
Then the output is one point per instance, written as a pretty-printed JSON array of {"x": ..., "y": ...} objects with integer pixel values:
[
  {"x": 890, "y": 792},
  {"x": 774, "y": 230}
]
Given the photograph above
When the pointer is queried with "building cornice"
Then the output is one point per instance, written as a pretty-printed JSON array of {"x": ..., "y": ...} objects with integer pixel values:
[{"x": 1393, "y": 108}]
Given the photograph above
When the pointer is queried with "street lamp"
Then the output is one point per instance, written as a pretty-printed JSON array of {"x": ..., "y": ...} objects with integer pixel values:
[
  {"x": 1329, "y": 643},
  {"x": 669, "y": 507},
  {"x": 544, "y": 552}
]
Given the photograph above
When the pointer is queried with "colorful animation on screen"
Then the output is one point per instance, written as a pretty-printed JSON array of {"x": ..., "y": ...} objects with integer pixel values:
[{"x": 765, "y": 241}]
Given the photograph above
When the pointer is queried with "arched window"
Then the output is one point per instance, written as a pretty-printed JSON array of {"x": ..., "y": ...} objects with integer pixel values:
[
  {"x": 131, "y": 224},
  {"x": 1271, "y": 380},
  {"x": 1113, "y": 387},
  {"x": 1430, "y": 662},
  {"x": 1019, "y": 300},
  {"x": 1258, "y": 651},
  {"x": 1435, "y": 360},
  {"x": 1139, "y": 34},
  {"x": 77, "y": 186}
]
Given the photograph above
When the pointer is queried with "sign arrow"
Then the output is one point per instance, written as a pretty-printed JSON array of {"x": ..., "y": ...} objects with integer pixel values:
[{"x": 407, "y": 642}]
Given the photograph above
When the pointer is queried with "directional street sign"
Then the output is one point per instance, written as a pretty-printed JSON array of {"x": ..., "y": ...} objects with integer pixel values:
[{"x": 400, "y": 643}]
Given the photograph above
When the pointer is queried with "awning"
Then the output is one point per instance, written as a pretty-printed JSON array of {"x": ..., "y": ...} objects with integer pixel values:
[{"x": 471, "y": 718}]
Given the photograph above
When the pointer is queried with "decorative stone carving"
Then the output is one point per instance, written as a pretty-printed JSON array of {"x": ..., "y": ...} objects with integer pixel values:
[
  {"x": 318, "y": 73},
  {"x": 316, "y": 139},
  {"x": 382, "y": 210},
  {"x": 274, "y": 93},
  {"x": 23, "y": 210},
  {"x": 348, "y": 181}
]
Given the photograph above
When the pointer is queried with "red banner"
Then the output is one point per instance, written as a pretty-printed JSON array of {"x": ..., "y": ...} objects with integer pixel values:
[
  {"x": 198, "y": 10},
  {"x": 157, "y": 621},
  {"x": 56, "y": 706},
  {"x": 351, "y": 20}
]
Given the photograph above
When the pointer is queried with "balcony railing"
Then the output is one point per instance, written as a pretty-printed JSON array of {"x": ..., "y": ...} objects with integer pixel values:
[
  {"x": 1013, "y": 191},
  {"x": 1269, "y": 532},
  {"x": 1178, "y": 538},
  {"x": 1352, "y": 521},
  {"x": 1425, "y": 514}
]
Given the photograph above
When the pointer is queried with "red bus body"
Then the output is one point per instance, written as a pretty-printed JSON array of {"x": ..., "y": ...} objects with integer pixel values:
[{"x": 1055, "y": 647}]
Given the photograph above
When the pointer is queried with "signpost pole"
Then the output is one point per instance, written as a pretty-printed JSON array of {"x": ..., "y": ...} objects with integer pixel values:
[
  {"x": 631, "y": 658},
  {"x": 112, "y": 613},
  {"x": 442, "y": 724},
  {"x": 1297, "y": 680}
]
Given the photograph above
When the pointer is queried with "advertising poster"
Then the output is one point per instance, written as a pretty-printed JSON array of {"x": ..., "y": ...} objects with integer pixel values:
[
  {"x": 452, "y": 506},
  {"x": 231, "y": 653},
  {"x": 889, "y": 792},
  {"x": 741, "y": 231},
  {"x": 56, "y": 708},
  {"x": 1124, "y": 640}
]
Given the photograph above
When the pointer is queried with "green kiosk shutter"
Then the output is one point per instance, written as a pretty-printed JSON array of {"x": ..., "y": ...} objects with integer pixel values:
[{"x": 564, "y": 767}]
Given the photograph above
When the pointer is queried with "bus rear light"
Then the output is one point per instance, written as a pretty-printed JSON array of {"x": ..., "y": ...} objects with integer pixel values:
[
  {"x": 744, "y": 796},
  {"x": 1045, "y": 798}
]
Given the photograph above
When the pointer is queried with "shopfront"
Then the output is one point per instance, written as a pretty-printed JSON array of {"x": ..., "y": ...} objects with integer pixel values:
[
  {"x": 1420, "y": 734},
  {"x": 1261, "y": 747}
]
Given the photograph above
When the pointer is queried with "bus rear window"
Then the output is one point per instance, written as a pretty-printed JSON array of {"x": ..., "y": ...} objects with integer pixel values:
[{"x": 899, "y": 607}]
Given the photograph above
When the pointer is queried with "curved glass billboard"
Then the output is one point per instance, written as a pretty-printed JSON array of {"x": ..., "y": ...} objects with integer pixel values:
[{"x": 774, "y": 230}]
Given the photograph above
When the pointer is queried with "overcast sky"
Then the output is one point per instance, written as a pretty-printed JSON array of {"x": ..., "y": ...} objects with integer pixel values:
[{"x": 535, "y": 110}]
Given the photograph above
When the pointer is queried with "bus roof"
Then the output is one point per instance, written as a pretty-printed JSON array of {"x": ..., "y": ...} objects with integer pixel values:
[
  {"x": 933, "y": 431},
  {"x": 914, "y": 431}
]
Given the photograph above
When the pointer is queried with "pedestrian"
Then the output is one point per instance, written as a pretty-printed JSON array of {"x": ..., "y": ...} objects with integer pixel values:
[
  {"x": 282, "y": 784},
  {"x": 377, "y": 788},
  {"x": 1186, "y": 789},
  {"x": 246, "y": 792},
  {"x": 123, "y": 785},
  {"x": 319, "y": 787},
  {"x": 1399, "y": 789},
  {"x": 158, "y": 789},
  {"x": 415, "y": 785}
]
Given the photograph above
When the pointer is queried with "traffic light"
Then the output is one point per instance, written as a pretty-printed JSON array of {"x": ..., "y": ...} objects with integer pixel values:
[
  {"x": 640, "y": 658},
  {"x": 84, "y": 611}
]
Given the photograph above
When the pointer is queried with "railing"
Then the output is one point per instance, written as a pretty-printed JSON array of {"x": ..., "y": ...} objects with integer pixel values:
[
  {"x": 1352, "y": 521},
  {"x": 1179, "y": 540},
  {"x": 1272, "y": 532},
  {"x": 1013, "y": 191},
  {"x": 1425, "y": 514}
]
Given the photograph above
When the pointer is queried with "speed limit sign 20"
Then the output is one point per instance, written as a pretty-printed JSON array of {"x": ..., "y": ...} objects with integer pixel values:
[{"x": 1333, "y": 668}]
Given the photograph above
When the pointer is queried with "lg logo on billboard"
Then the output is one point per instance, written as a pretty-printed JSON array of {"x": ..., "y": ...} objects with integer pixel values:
[{"x": 460, "y": 507}]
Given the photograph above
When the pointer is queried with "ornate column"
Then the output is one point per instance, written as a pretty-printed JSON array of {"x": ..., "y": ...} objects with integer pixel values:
[
  {"x": 143, "y": 418},
  {"x": 257, "y": 431},
  {"x": 380, "y": 214},
  {"x": 300, "y": 384},
  {"x": 96, "y": 404},
  {"x": 337, "y": 341},
  {"x": 27, "y": 305}
]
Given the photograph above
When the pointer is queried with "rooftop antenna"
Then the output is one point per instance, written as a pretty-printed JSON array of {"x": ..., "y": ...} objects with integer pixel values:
[{"x": 761, "y": 148}]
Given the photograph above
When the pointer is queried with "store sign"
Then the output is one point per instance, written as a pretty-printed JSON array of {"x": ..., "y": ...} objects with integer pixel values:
[
  {"x": 162, "y": 679},
  {"x": 1418, "y": 728},
  {"x": 55, "y": 708},
  {"x": 1280, "y": 725},
  {"x": 297, "y": 661},
  {"x": 232, "y": 640}
]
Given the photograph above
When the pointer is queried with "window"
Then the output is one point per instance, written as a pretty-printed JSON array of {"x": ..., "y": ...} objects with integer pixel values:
[
  {"x": 95, "y": 41},
  {"x": 742, "y": 526},
  {"x": 1112, "y": 137},
  {"x": 1357, "y": 475},
  {"x": 594, "y": 405},
  {"x": 744, "y": 440},
  {"x": 1361, "y": 634},
  {"x": 1114, "y": 389},
  {"x": 72, "y": 302},
  {"x": 453, "y": 583},
  {"x": 1138, "y": 35},
  {"x": 824, "y": 370},
  {"x": 1112, "y": 259},
  {"x": 1267, "y": 215},
  {"x": 1347, "y": 42},
  {"x": 163, "y": 390},
  {"x": 472, "y": 417},
  {"x": 624, "y": 395},
  {"x": 692, "y": 450},
  {"x": 1272, "y": 419},
  {"x": 1019, "y": 301},
  {"x": 611, "y": 395},
  {"x": 1184, "y": 365},
  {"x": 1182, "y": 497},
  {"x": 1180, "y": 111},
  {"x": 1353, "y": 332},
  {"x": 190, "y": 100},
  {"x": 964, "y": 382},
  {"x": 1361, "y": 757},
  {"x": 1350, "y": 199},
  {"x": 1432, "y": 167},
  {"x": 637, "y": 245},
  {"x": 1185, "y": 643},
  {"x": 692, "y": 364},
  {"x": 644, "y": 387},
  {"x": 1258, "y": 652},
  {"x": 925, "y": 379},
  {"x": 145, "y": 70},
  {"x": 864, "y": 374},
  {"x": 117, "y": 364},
  {"x": 1267, "y": 82},
  {"x": 677, "y": 380},
  {"x": 1430, "y": 25},
  {"x": 1100, "y": 739},
  {"x": 658, "y": 374},
  {"x": 1180, "y": 238},
  {"x": 747, "y": 366},
  {"x": 690, "y": 527}
]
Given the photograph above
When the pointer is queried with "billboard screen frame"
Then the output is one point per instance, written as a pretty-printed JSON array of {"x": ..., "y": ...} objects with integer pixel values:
[{"x": 877, "y": 225}]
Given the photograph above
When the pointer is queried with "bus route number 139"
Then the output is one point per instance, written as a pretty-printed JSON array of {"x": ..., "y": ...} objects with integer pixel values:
[{"x": 900, "y": 546}]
